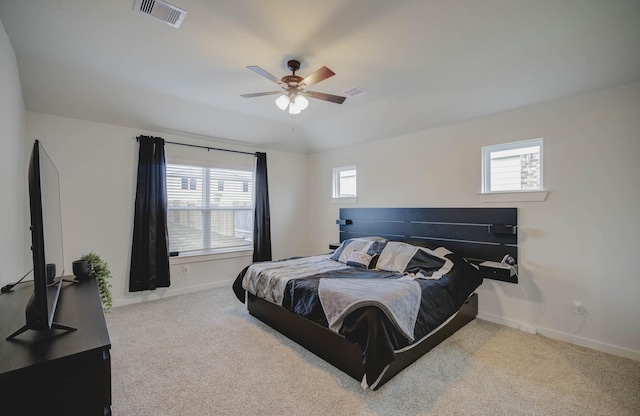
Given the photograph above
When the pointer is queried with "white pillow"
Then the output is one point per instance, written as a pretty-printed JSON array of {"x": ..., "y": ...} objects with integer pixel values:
[
  {"x": 359, "y": 259},
  {"x": 373, "y": 238},
  {"x": 356, "y": 244},
  {"x": 395, "y": 256}
]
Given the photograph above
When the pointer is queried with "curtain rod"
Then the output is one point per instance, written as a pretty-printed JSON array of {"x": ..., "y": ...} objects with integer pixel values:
[
  {"x": 211, "y": 148},
  {"x": 205, "y": 147}
]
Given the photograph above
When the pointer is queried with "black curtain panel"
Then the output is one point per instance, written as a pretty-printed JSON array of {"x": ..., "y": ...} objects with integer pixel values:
[
  {"x": 261, "y": 216},
  {"x": 150, "y": 251}
]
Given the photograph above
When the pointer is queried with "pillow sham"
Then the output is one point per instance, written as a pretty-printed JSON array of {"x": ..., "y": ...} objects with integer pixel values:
[
  {"x": 369, "y": 245},
  {"x": 429, "y": 264},
  {"x": 359, "y": 259},
  {"x": 373, "y": 238},
  {"x": 348, "y": 246},
  {"x": 374, "y": 251},
  {"x": 395, "y": 256}
]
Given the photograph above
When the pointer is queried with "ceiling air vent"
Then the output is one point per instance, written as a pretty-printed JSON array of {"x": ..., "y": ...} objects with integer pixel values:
[
  {"x": 172, "y": 15},
  {"x": 356, "y": 92}
]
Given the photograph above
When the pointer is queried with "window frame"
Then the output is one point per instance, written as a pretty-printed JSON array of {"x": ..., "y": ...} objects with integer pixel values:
[
  {"x": 211, "y": 186},
  {"x": 486, "y": 164},
  {"x": 337, "y": 195}
]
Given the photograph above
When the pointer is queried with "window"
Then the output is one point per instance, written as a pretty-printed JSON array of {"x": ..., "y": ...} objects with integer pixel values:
[
  {"x": 344, "y": 182},
  {"x": 217, "y": 215},
  {"x": 512, "y": 167}
]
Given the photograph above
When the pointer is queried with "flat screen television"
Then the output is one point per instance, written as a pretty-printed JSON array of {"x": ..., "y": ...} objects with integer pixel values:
[{"x": 46, "y": 243}]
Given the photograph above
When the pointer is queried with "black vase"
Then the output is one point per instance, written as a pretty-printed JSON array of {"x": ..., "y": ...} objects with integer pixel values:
[{"x": 81, "y": 269}]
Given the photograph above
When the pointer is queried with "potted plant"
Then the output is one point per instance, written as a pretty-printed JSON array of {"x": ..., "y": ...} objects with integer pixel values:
[{"x": 100, "y": 270}]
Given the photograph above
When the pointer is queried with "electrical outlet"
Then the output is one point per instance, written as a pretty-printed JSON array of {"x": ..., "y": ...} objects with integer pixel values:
[
  {"x": 578, "y": 307},
  {"x": 185, "y": 269}
]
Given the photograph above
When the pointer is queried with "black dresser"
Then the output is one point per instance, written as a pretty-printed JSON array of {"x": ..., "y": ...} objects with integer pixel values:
[{"x": 68, "y": 373}]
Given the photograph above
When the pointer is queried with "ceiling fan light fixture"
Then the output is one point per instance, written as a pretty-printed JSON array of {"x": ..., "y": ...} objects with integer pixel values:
[
  {"x": 294, "y": 86},
  {"x": 301, "y": 102},
  {"x": 282, "y": 102},
  {"x": 294, "y": 108}
]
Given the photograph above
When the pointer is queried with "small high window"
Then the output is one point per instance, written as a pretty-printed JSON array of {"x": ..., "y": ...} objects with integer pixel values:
[
  {"x": 344, "y": 182},
  {"x": 512, "y": 167}
]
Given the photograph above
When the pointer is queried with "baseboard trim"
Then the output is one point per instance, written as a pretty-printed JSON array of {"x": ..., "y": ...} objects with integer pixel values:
[
  {"x": 148, "y": 295},
  {"x": 561, "y": 336}
]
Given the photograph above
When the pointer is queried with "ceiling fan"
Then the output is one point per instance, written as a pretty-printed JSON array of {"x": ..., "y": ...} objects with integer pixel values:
[{"x": 294, "y": 87}]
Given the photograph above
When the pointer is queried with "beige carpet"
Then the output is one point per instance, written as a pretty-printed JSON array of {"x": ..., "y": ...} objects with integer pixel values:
[{"x": 203, "y": 354}]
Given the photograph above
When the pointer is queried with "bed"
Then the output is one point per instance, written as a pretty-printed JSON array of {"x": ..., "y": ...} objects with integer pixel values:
[{"x": 401, "y": 281}]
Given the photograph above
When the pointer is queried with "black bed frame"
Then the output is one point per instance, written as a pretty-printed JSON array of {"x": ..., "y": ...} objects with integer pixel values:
[
  {"x": 345, "y": 355},
  {"x": 475, "y": 233}
]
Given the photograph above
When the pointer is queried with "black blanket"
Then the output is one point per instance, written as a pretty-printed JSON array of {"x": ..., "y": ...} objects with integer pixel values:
[{"x": 369, "y": 327}]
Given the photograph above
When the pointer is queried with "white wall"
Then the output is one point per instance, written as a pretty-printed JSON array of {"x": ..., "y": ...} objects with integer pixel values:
[
  {"x": 14, "y": 252},
  {"x": 97, "y": 164},
  {"x": 581, "y": 243}
]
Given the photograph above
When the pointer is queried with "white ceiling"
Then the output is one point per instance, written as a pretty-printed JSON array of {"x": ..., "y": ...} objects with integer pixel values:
[{"x": 426, "y": 63}]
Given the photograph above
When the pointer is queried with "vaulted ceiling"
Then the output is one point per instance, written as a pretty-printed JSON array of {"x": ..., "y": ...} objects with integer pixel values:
[{"x": 425, "y": 63}]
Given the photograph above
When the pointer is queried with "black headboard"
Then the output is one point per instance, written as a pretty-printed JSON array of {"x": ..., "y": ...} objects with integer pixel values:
[{"x": 475, "y": 233}]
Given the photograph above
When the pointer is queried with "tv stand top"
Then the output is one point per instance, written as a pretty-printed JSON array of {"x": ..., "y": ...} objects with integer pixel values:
[{"x": 79, "y": 306}]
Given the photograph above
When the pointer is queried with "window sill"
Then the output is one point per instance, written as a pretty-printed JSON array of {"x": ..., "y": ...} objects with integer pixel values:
[
  {"x": 522, "y": 196},
  {"x": 200, "y": 257},
  {"x": 345, "y": 200}
]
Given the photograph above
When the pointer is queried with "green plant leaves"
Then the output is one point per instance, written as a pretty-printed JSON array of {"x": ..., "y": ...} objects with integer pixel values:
[{"x": 100, "y": 270}]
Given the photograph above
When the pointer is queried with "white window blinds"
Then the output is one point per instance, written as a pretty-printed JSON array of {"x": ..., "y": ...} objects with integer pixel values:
[{"x": 209, "y": 209}]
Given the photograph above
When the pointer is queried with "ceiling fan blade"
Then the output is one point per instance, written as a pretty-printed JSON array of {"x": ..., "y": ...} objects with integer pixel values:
[
  {"x": 264, "y": 73},
  {"x": 260, "y": 94},
  {"x": 320, "y": 75},
  {"x": 323, "y": 96}
]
